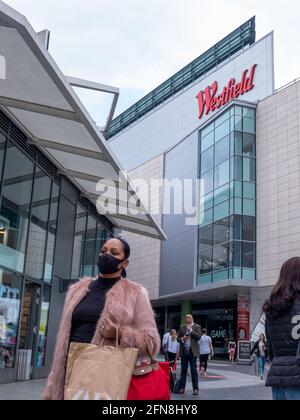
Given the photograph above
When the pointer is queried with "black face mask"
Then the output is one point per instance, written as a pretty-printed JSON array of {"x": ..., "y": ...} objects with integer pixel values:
[{"x": 108, "y": 264}]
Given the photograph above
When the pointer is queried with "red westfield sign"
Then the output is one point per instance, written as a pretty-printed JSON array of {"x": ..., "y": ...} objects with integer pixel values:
[{"x": 209, "y": 101}]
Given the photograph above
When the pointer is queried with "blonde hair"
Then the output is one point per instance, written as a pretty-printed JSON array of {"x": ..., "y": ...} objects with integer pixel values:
[{"x": 174, "y": 335}]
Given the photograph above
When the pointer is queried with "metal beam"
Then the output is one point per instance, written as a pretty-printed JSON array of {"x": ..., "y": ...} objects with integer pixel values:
[
  {"x": 86, "y": 84},
  {"x": 68, "y": 149},
  {"x": 39, "y": 109},
  {"x": 114, "y": 201},
  {"x": 131, "y": 219},
  {"x": 137, "y": 232}
]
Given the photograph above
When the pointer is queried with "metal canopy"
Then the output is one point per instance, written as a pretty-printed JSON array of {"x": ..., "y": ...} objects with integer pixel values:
[{"x": 42, "y": 102}]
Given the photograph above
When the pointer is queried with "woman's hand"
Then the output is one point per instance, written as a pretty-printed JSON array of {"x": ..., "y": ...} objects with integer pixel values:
[{"x": 109, "y": 328}]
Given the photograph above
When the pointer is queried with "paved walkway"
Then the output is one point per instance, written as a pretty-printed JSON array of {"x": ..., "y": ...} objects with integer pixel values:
[{"x": 236, "y": 383}]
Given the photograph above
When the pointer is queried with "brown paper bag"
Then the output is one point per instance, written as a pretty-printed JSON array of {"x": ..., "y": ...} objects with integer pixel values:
[{"x": 99, "y": 373}]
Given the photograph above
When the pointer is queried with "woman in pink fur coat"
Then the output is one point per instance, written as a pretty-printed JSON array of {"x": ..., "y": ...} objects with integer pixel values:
[{"x": 95, "y": 307}]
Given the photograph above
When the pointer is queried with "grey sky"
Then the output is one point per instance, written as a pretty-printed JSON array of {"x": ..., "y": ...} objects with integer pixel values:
[{"x": 136, "y": 44}]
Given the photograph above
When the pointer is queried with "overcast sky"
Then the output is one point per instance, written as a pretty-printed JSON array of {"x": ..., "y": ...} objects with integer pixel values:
[{"x": 137, "y": 44}]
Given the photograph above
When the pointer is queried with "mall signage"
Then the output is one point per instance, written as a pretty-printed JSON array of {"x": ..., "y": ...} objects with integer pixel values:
[{"x": 209, "y": 100}]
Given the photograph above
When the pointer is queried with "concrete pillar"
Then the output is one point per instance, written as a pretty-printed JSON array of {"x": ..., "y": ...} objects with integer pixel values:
[{"x": 186, "y": 308}]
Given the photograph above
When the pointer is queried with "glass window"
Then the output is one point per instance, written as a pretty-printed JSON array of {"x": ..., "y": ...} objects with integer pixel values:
[
  {"x": 222, "y": 231},
  {"x": 205, "y": 261},
  {"x": 222, "y": 131},
  {"x": 207, "y": 217},
  {"x": 237, "y": 254},
  {"x": 221, "y": 211},
  {"x": 204, "y": 279},
  {"x": 10, "y": 300},
  {"x": 238, "y": 189},
  {"x": 208, "y": 179},
  {"x": 249, "y": 207},
  {"x": 249, "y": 255},
  {"x": 43, "y": 329},
  {"x": 51, "y": 234},
  {"x": 39, "y": 225},
  {"x": 238, "y": 144},
  {"x": 236, "y": 206},
  {"x": 249, "y": 125},
  {"x": 238, "y": 110},
  {"x": 236, "y": 221},
  {"x": 206, "y": 237},
  {"x": 15, "y": 208},
  {"x": 220, "y": 257},
  {"x": 249, "y": 229},
  {"x": 249, "y": 274},
  {"x": 207, "y": 130},
  {"x": 220, "y": 276},
  {"x": 207, "y": 160},
  {"x": 90, "y": 244},
  {"x": 249, "y": 112},
  {"x": 102, "y": 235},
  {"x": 222, "y": 149},
  {"x": 79, "y": 240},
  {"x": 238, "y": 123},
  {"x": 207, "y": 141},
  {"x": 2, "y": 151},
  {"x": 249, "y": 190},
  {"x": 238, "y": 168},
  {"x": 222, "y": 174},
  {"x": 208, "y": 201},
  {"x": 222, "y": 119},
  {"x": 222, "y": 194},
  {"x": 249, "y": 145}
]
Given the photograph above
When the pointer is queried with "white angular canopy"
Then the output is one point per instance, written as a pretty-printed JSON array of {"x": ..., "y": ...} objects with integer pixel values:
[{"x": 42, "y": 102}]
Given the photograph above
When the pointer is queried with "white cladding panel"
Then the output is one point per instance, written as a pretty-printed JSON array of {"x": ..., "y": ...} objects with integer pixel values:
[{"x": 171, "y": 122}]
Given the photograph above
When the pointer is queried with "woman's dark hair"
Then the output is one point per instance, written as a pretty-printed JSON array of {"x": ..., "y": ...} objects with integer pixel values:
[
  {"x": 286, "y": 290},
  {"x": 204, "y": 331},
  {"x": 126, "y": 252}
]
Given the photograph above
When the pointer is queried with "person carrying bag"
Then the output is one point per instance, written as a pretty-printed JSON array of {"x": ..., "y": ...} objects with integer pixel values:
[{"x": 87, "y": 363}]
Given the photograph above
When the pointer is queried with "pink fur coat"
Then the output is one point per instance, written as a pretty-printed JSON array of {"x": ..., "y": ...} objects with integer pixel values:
[{"x": 130, "y": 305}]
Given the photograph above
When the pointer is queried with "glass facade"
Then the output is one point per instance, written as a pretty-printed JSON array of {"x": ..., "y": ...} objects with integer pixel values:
[
  {"x": 227, "y": 235},
  {"x": 29, "y": 205},
  {"x": 88, "y": 240}
]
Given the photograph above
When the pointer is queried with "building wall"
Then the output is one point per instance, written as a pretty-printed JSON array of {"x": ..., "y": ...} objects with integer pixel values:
[
  {"x": 145, "y": 252},
  {"x": 278, "y": 182},
  {"x": 174, "y": 120},
  {"x": 179, "y": 253}
]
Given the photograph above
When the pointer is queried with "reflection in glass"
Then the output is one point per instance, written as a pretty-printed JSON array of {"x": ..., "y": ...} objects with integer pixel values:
[
  {"x": 206, "y": 237},
  {"x": 222, "y": 150},
  {"x": 43, "y": 329},
  {"x": 102, "y": 236},
  {"x": 207, "y": 160},
  {"x": 205, "y": 261},
  {"x": 79, "y": 240},
  {"x": 89, "y": 261},
  {"x": 39, "y": 225},
  {"x": 222, "y": 231},
  {"x": 208, "y": 179},
  {"x": 15, "y": 208},
  {"x": 220, "y": 257},
  {"x": 2, "y": 151},
  {"x": 222, "y": 174},
  {"x": 51, "y": 234},
  {"x": 10, "y": 298}
]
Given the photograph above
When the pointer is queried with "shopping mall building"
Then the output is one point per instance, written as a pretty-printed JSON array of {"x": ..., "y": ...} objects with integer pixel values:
[
  {"x": 221, "y": 120},
  {"x": 52, "y": 156}
]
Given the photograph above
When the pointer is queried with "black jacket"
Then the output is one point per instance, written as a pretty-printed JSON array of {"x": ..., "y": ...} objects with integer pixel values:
[
  {"x": 195, "y": 337},
  {"x": 257, "y": 350},
  {"x": 283, "y": 339}
]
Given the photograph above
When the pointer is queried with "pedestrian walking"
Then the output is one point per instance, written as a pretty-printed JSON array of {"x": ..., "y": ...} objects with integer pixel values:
[
  {"x": 231, "y": 350},
  {"x": 165, "y": 344},
  {"x": 260, "y": 349},
  {"x": 206, "y": 350},
  {"x": 104, "y": 308},
  {"x": 189, "y": 335},
  {"x": 173, "y": 347},
  {"x": 283, "y": 333}
]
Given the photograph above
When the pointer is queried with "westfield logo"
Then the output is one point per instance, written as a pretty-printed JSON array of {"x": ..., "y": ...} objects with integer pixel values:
[{"x": 209, "y": 101}]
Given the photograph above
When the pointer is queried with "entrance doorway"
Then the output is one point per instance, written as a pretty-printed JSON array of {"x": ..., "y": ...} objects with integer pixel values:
[{"x": 28, "y": 337}]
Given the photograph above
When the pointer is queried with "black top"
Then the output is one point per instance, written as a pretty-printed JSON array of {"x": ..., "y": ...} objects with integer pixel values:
[
  {"x": 86, "y": 315},
  {"x": 282, "y": 340}
]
